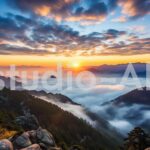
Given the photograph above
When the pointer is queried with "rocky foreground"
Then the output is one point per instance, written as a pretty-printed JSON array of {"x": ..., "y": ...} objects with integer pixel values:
[
  {"x": 35, "y": 139},
  {"x": 69, "y": 131},
  {"x": 29, "y": 134},
  {"x": 38, "y": 138}
]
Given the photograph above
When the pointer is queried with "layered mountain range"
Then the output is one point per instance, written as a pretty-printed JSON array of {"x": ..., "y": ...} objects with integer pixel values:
[
  {"x": 65, "y": 127},
  {"x": 130, "y": 110},
  {"x": 71, "y": 123},
  {"x": 139, "y": 68}
]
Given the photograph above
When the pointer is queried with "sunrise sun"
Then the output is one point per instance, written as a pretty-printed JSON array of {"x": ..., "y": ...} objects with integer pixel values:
[{"x": 75, "y": 64}]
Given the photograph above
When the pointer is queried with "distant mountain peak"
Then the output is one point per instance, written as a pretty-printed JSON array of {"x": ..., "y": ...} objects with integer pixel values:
[{"x": 137, "y": 96}]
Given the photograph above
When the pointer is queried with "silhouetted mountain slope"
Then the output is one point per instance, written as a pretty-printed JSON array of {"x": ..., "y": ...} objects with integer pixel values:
[
  {"x": 79, "y": 111},
  {"x": 138, "y": 96},
  {"x": 7, "y": 81},
  {"x": 140, "y": 69},
  {"x": 55, "y": 97},
  {"x": 131, "y": 109},
  {"x": 63, "y": 125}
]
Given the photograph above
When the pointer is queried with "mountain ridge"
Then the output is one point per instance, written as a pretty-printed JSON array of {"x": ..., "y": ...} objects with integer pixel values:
[
  {"x": 140, "y": 69},
  {"x": 63, "y": 125}
]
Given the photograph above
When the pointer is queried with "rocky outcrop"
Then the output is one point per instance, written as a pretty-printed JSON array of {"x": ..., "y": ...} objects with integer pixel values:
[
  {"x": 6, "y": 145},
  {"x": 22, "y": 140},
  {"x": 45, "y": 137},
  {"x": 28, "y": 122},
  {"x": 39, "y": 139},
  {"x": 35, "y": 139},
  {"x": 33, "y": 147}
]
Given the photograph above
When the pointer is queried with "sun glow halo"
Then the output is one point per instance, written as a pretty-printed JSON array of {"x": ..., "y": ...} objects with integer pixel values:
[{"x": 75, "y": 65}]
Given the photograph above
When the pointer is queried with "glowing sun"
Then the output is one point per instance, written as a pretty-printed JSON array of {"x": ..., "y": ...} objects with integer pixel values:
[{"x": 75, "y": 65}]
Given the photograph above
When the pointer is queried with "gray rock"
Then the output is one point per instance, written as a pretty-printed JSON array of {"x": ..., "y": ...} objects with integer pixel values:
[
  {"x": 28, "y": 122},
  {"x": 32, "y": 135},
  {"x": 54, "y": 148},
  {"x": 6, "y": 145},
  {"x": 32, "y": 147},
  {"x": 23, "y": 140},
  {"x": 43, "y": 146},
  {"x": 45, "y": 137}
]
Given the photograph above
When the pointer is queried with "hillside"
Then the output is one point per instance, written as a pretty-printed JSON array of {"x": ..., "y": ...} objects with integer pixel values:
[
  {"x": 65, "y": 103},
  {"x": 131, "y": 109},
  {"x": 140, "y": 69},
  {"x": 65, "y": 127},
  {"x": 55, "y": 97},
  {"x": 136, "y": 96}
]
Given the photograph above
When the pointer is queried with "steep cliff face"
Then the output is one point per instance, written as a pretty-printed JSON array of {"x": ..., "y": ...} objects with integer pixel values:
[{"x": 67, "y": 129}]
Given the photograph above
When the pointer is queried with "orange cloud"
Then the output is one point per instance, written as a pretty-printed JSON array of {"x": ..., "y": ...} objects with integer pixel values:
[
  {"x": 128, "y": 7},
  {"x": 135, "y": 8},
  {"x": 62, "y": 10},
  {"x": 43, "y": 10},
  {"x": 84, "y": 60},
  {"x": 69, "y": 1},
  {"x": 86, "y": 18}
]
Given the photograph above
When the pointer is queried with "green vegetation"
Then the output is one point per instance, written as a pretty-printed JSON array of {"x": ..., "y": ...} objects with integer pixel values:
[
  {"x": 67, "y": 129},
  {"x": 137, "y": 140}
]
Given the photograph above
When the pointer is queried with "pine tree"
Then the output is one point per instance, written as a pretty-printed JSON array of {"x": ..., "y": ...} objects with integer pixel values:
[{"x": 137, "y": 140}]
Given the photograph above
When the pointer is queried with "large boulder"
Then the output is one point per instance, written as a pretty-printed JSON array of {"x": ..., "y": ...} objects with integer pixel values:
[
  {"x": 45, "y": 137},
  {"x": 6, "y": 145},
  {"x": 22, "y": 141},
  {"x": 32, "y": 147},
  {"x": 32, "y": 135},
  {"x": 54, "y": 148}
]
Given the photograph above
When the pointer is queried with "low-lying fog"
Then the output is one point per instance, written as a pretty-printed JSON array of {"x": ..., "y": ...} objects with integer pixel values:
[{"x": 105, "y": 90}]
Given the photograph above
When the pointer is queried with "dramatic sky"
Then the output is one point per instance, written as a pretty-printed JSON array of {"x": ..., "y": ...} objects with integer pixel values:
[{"x": 89, "y": 32}]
